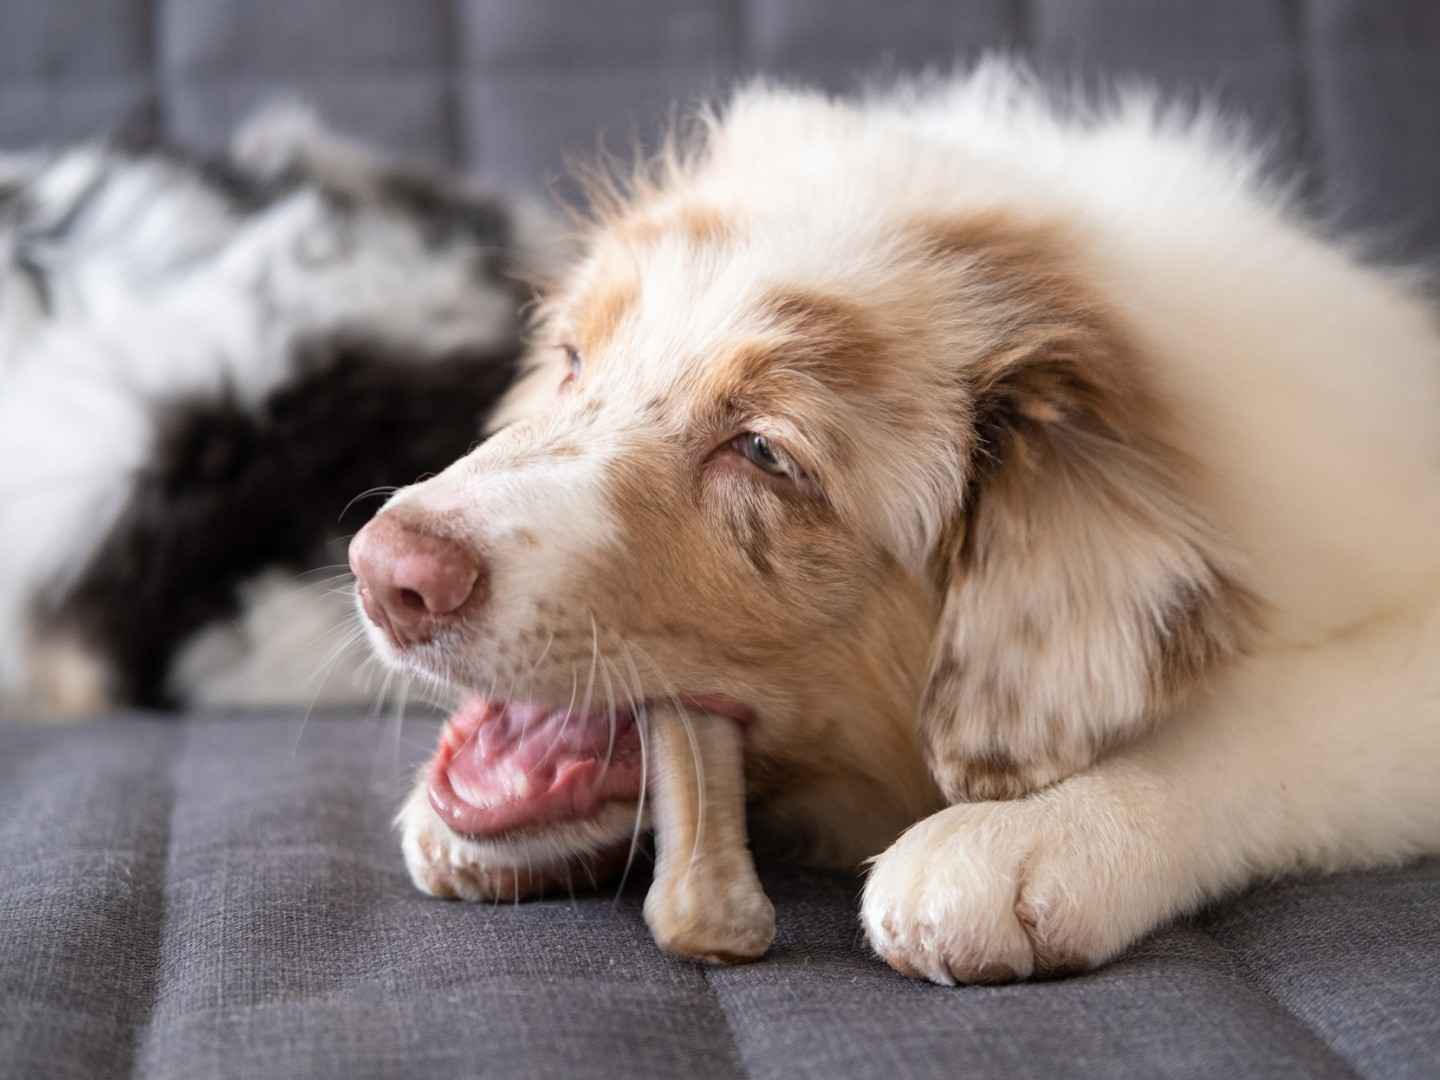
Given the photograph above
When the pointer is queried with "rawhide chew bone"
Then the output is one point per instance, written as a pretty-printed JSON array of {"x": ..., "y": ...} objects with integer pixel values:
[{"x": 706, "y": 902}]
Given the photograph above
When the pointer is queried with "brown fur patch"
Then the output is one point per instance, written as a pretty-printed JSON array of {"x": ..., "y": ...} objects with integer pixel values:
[
  {"x": 696, "y": 224},
  {"x": 829, "y": 336},
  {"x": 832, "y": 618},
  {"x": 1056, "y": 355},
  {"x": 753, "y": 535},
  {"x": 822, "y": 359},
  {"x": 996, "y": 238},
  {"x": 599, "y": 314},
  {"x": 996, "y": 775},
  {"x": 1201, "y": 630},
  {"x": 704, "y": 225}
]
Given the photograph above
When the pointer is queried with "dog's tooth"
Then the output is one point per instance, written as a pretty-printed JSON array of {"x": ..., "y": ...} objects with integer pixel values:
[
  {"x": 518, "y": 781},
  {"x": 472, "y": 795}
]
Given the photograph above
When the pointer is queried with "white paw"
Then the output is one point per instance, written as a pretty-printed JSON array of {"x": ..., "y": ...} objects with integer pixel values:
[
  {"x": 994, "y": 892},
  {"x": 445, "y": 865},
  {"x": 718, "y": 919},
  {"x": 562, "y": 861}
]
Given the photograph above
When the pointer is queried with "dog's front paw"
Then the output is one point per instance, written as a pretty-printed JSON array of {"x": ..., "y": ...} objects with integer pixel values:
[
  {"x": 717, "y": 919},
  {"x": 449, "y": 866},
  {"x": 993, "y": 892}
]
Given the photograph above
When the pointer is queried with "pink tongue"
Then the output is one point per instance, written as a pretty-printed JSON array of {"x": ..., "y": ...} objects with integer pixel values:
[
  {"x": 519, "y": 755},
  {"x": 503, "y": 768}
]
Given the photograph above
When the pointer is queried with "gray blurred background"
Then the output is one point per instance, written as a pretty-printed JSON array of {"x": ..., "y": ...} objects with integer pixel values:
[{"x": 1348, "y": 89}]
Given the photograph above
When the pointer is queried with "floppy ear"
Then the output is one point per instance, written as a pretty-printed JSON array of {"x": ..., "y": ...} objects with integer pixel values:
[{"x": 1082, "y": 593}]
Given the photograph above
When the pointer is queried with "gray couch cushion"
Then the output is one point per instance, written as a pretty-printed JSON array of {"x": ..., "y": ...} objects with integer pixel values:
[
  {"x": 224, "y": 897},
  {"x": 1347, "y": 89}
]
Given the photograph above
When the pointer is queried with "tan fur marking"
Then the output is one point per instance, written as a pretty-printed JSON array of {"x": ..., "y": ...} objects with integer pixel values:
[
  {"x": 1201, "y": 631},
  {"x": 703, "y": 225},
  {"x": 696, "y": 224},
  {"x": 994, "y": 776},
  {"x": 599, "y": 315},
  {"x": 828, "y": 336},
  {"x": 1056, "y": 353}
]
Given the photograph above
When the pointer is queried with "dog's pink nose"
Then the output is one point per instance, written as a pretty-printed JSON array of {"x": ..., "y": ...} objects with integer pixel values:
[{"x": 411, "y": 582}]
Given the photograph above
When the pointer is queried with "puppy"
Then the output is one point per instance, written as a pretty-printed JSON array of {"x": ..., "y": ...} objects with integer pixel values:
[{"x": 1051, "y": 511}]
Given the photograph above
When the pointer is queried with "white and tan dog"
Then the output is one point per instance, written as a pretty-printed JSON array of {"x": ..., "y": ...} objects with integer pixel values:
[{"x": 1053, "y": 514}]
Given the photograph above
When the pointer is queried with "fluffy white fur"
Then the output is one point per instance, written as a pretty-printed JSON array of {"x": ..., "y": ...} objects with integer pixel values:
[{"x": 1310, "y": 386}]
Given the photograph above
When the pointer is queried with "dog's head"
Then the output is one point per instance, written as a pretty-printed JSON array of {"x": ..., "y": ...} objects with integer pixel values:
[{"x": 815, "y": 443}]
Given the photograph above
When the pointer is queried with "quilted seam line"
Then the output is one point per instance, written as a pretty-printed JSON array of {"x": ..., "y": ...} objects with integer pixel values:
[
  {"x": 1249, "y": 976},
  {"x": 736, "y": 1052},
  {"x": 142, "y": 1027}
]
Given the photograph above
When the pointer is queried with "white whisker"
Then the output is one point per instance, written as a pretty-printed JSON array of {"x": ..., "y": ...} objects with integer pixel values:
[
  {"x": 610, "y": 712},
  {"x": 694, "y": 746},
  {"x": 323, "y": 674},
  {"x": 530, "y": 681},
  {"x": 696, "y": 754},
  {"x": 641, "y": 719},
  {"x": 383, "y": 489},
  {"x": 402, "y": 701},
  {"x": 565, "y": 723}
]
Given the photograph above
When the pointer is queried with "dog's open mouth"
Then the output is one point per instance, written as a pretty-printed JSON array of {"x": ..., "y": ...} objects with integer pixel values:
[
  {"x": 501, "y": 767},
  {"x": 506, "y": 766}
]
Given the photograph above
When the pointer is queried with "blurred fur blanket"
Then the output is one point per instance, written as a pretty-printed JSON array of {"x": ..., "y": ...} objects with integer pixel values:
[{"x": 209, "y": 368}]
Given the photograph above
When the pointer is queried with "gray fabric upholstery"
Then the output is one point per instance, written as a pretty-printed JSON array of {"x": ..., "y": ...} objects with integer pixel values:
[
  {"x": 225, "y": 898},
  {"x": 1347, "y": 89}
]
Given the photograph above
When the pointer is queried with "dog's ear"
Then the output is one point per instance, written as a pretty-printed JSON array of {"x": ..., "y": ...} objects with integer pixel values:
[{"x": 1082, "y": 593}]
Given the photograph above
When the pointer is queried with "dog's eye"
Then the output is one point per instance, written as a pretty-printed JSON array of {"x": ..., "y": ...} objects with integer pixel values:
[
  {"x": 573, "y": 365},
  {"x": 759, "y": 452}
]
